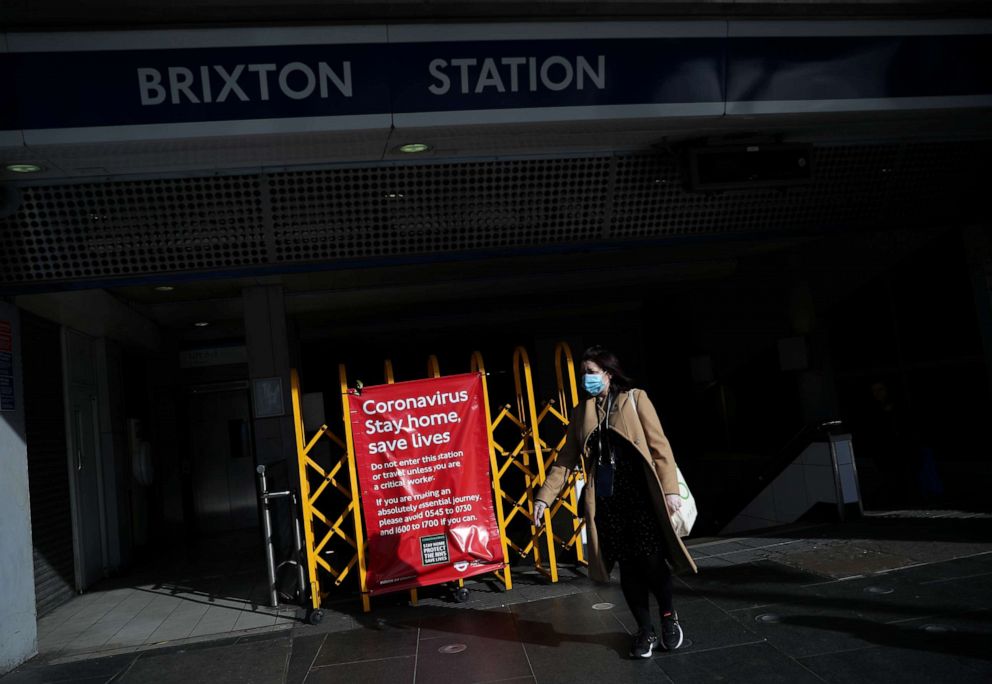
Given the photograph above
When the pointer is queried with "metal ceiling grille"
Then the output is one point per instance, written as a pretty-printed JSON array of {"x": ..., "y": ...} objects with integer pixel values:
[
  {"x": 400, "y": 210},
  {"x": 130, "y": 229},
  {"x": 111, "y": 230}
]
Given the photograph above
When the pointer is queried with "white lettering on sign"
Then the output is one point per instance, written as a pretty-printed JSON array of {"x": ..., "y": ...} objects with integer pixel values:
[
  {"x": 242, "y": 82},
  {"x": 505, "y": 75}
]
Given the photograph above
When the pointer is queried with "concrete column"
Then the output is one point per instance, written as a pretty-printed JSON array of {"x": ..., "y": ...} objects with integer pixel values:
[
  {"x": 18, "y": 621},
  {"x": 267, "y": 339},
  {"x": 268, "y": 368}
]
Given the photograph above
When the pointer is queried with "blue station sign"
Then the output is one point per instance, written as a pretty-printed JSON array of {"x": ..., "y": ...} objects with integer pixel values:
[{"x": 372, "y": 77}]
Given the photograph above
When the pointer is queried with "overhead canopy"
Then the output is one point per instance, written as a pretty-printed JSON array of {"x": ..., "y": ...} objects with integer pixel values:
[{"x": 138, "y": 102}]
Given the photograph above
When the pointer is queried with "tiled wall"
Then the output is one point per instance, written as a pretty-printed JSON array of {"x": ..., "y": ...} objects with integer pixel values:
[{"x": 808, "y": 480}]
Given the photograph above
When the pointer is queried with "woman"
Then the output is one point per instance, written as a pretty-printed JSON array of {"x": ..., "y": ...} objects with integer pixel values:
[{"x": 631, "y": 492}]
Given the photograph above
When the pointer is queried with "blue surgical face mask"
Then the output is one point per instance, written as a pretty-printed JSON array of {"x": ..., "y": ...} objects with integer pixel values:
[{"x": 593, "y": 383}]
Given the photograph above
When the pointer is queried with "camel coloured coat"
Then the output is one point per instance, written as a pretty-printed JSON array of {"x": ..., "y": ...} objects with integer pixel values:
[{"x": 636, "y": 422}]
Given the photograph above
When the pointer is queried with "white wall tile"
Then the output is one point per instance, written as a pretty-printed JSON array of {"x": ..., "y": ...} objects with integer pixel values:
[
  {"x": 791, "y": 499},
  {"x": 763, "y": 505},
  {"x": 820, "y": 484},
  {"x": 848, "y": 483},
  {"x": 817, "y": 453},
  {"x": 842, "y": 445}
]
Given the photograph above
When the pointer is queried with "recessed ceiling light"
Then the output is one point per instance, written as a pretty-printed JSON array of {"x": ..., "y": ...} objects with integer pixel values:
[
  {"x": 394, "y": 195},
  {"x": 164, "y": 288},
  {"x": 23, "y": 168},
  {"x": 202, "y": 324},
  {"x": 414, "y": 148}
]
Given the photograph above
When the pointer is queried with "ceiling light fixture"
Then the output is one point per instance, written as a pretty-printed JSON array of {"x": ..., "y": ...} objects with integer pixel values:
[
  {"x": 414, "y": 148},
  {"x": 164, "y": 288},
  {"x": 202, "y": 324},
  {"x": 23, "y": 168}
]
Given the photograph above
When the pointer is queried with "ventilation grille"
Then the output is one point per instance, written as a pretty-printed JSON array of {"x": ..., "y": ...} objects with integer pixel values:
[
  {"x": 114, "y": 230},
  {"x": 404, "y": 210}
]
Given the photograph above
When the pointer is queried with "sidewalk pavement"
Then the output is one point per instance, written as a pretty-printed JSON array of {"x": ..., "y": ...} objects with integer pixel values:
[{"x": 904, "y": 596}]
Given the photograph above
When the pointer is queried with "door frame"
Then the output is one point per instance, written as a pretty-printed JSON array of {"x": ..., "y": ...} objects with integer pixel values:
[{"x": 78, "y": 547}]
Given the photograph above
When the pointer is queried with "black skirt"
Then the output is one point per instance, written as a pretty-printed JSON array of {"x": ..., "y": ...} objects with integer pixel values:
[{"x": 626, "y": 523}]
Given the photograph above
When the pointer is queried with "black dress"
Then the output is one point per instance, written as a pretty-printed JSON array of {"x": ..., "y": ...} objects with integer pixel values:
[{"x": 626, "y": 522}]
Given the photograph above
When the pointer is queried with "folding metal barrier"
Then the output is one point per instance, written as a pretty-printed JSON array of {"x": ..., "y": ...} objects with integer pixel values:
[
  {"x": 554, "y": 416},
  {"x": 523, "y": 456},
  {"x": 337, "y": 519},
  {"x": 315, "y": 520}
]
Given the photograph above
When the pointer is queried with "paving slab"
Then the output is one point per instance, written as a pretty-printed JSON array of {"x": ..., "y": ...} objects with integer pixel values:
[
  {"x": 471, "y": 657},
  {"x": 750, "y": 585},
  {"x": 755, "y": 662},
  {"x": 398, "y": 670},
  {"x": 304, "y": 653},
  {"x": 97, "y": 669},
  {"x": 904, "y": 665},
  {"x": 366, "y": 644},
  {"x": 255, "y": 663},
  {"x": 847, "y": 560}
]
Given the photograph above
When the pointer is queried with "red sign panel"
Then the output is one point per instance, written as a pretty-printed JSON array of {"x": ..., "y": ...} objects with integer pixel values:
[{"x": 422, "y": 450}]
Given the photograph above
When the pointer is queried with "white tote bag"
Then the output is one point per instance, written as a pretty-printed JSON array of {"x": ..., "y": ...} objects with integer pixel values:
[{"x": 684, "y": 518}]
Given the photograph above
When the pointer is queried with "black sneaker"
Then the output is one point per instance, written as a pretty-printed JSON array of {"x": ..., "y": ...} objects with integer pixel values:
[
  {"x": 671, "y": 632},
  {"x": 643, "y": 644}
]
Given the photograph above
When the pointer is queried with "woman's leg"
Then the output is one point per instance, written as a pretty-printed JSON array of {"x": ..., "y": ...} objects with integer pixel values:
[
  {"x": 660, "y": 576},
  {"x": 661, "y": 586},
  {"x": 636, "y": 589}
]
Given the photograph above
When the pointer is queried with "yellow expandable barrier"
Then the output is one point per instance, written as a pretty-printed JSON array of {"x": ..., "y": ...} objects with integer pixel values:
[
  {"x": 554, "y": 417},
  {"x": 330, "y": 495}
]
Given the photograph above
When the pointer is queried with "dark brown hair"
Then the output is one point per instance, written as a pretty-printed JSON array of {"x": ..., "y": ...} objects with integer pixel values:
[{"x": 609, "y": 362}]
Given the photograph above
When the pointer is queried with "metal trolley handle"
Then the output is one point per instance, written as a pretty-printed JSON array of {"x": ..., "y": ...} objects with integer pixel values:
[{"x": 267, "y": 496}]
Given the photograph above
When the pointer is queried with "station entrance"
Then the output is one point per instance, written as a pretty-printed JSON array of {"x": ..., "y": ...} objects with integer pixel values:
[
  {"x": 773, "y": 237},
  {"x": 743, "y": 337}
]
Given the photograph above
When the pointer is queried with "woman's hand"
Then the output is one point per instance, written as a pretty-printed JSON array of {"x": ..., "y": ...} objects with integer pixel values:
[
  {"x": 539, "y": 508},
  {"x": 674, "y": 502}
]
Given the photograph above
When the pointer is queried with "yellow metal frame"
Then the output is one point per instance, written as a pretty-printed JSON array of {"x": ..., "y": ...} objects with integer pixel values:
[
  {"x": 479, "y": 366},
  {"x": 568, "y": 399},
  {"x": 354, "y": 505},
  {"x": 527, "y": 455},
  {"x": 309, "y": 496}
]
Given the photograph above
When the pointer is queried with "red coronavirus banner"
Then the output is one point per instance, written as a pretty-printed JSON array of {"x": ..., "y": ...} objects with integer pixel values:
[{"x": 422, "y": 449}]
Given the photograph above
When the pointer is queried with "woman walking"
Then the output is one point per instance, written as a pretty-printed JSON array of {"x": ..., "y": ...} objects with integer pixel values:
[{"x": 631, "y": 492}]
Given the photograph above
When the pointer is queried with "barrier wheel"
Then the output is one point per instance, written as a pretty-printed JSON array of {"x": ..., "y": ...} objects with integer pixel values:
[
  {"x": 461, "y": 594},
  {"x": 315, "y": 617}
]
